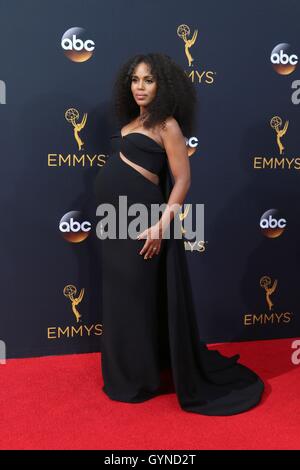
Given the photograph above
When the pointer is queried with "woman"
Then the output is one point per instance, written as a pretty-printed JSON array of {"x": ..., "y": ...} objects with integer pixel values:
[{"x": 149, "y": 320}]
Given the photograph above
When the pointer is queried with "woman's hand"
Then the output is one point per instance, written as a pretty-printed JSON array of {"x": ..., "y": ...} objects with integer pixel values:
[{"x": 152, "y": 245}]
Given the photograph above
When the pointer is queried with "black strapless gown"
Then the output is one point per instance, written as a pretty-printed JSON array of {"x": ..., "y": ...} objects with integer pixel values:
[{"x": 150, "y": 340}]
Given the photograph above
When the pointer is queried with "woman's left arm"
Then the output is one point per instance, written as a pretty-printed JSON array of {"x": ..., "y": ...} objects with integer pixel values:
[{"x": 176, "y": 149}]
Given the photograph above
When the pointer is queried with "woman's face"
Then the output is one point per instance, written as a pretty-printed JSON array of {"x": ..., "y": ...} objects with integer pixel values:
[{"x": 143, "y": 85}]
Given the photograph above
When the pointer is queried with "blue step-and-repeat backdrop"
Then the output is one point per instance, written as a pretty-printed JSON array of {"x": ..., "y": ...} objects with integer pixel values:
[{"x": 58, "y": 62}]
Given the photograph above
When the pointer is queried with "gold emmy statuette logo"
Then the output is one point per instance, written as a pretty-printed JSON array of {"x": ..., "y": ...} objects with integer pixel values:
[
  {"x": 70, "y": 292},
  {"x": 265, "y": 283},
  {"x": 183, "y": 31},
  {"x": 182, "y": 216},
  {"x": 276, "y": 123},
  {"x": 72, "y": 115}
]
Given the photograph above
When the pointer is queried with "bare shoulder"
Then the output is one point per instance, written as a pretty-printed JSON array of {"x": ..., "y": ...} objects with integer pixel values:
[
  {"x": 171, "y": 132},
  {"x": 176, "y": 150},
  {"x": 171, "y": 129}
]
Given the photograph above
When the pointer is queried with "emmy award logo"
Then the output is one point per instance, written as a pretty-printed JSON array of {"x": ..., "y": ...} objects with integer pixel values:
[
  {"x": 265, "y": 283},
  {"x": 182, "y": 216},
  {"x": 276, "y": 123},
  {"x": 183, "y": 31},
  {"x": 70, "y": 292},
  {"x": 72, "y": 115}
]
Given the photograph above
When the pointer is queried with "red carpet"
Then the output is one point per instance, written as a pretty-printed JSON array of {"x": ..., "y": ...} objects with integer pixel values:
[{"x": 57, "y": 403}]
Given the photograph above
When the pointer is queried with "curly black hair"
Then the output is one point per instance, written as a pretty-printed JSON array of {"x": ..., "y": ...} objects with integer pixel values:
[{"x": 176, "y": 95}]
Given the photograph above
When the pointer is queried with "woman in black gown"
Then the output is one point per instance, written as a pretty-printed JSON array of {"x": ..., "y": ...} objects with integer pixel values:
[{"x": 148, "y": 314}]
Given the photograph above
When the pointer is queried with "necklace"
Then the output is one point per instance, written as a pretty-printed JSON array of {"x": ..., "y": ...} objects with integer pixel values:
[
  {"x": 140, "y": 120},
  {"x": 142, "y": 117}
]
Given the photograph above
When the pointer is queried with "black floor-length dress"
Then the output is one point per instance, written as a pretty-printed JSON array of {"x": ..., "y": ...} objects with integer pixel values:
[{"x": 148, "y": 312}]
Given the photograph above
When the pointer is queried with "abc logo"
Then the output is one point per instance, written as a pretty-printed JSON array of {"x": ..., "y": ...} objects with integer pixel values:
[
  {"x": 74, "y": 228},
  {"x": 272, "y": 224},
  {"x": 283, "y": 62},
  {"x": 192, "y": 144},
  {"x": 75, "y": 46}
]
